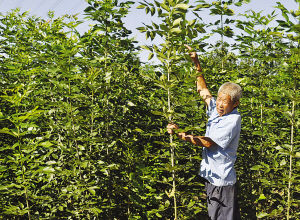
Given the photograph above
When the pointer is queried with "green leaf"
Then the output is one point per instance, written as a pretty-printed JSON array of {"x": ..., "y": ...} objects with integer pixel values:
[
  {"x": 182, "y": 6},
  {"x": 157, "y": 113},
  {"x": 262, "y": 215},
  {"x": 157, "y": 3},
  {"x": 48, "y": 170},
  {"x": 146, "y": 48},
  {"x": 191, "y": 203},
  {"x": 177, "y": 21},
  {"x": 142, "y": 29},
  {"x": 163, "y": 27},
  {"x": 158, "y": 215},
  {"x": 152, "y": 10},
  {"x": 141, "y": 6},
  {"x": 261, "y": 197},
  {"x": 201, "y": 6},
  {"x": 46, "y": 144},
  {"x": 150, "y": 56},
  {"x": 191, "y": 22},
  {"x": 138, "y": 130},
  {"x": 92, "y": 191},
  {"x": 167, "y": 203},
  {"x": 248, "y": 30},
  {"x": 130, "y": 103},
  {"x": 164, "y": 6},
  {"x": 175, "y": 30},
  {"x": 9, "y": 131},
  {"x": 256, "y": 167}
]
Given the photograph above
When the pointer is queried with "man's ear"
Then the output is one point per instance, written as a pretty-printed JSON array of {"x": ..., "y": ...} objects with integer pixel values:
[{"x": 236, "y": 104}]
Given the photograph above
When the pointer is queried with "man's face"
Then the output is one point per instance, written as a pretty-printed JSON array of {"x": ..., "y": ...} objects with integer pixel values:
[{"x": 224, "y": 104}]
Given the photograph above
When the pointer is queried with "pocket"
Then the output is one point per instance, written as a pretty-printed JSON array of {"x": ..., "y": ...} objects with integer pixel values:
[
  {"x": 214, "y": 195},
  {"x": 221, "y": 196}
]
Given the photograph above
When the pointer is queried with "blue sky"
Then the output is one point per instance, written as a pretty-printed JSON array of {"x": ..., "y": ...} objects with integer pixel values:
[{"x": 134, "y": 19}]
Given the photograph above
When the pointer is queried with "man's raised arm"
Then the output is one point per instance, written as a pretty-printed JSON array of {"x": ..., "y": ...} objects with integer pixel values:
[{"x": 201, "y": 84}]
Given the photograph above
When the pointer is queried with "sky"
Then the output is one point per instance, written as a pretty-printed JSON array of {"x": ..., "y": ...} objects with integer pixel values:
[{"x": 134, "y": 19}]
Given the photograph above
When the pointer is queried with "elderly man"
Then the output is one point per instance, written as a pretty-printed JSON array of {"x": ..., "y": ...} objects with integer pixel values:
[{"x": 219, "y": 144}]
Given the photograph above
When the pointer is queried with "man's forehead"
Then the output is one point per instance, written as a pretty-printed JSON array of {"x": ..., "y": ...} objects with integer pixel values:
[{"x": 222, "y": 95}]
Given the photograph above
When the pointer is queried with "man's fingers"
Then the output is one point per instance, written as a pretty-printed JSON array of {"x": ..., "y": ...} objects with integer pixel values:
[
  {"x": 188, "y": 47},
  {"x": 192, "y": 53},
  {"x": 172, "y": 126}
]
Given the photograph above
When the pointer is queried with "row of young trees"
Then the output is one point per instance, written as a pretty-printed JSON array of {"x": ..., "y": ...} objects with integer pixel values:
[{"x": 82, "y": 120}]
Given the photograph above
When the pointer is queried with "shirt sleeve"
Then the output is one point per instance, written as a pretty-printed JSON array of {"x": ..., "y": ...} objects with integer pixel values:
[
  {"x": 211, "y": 106},
  {"x": 226, "y": 131}
]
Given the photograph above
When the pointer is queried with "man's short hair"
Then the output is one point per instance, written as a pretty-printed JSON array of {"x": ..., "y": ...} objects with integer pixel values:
[{"x": 232, "y": 89}]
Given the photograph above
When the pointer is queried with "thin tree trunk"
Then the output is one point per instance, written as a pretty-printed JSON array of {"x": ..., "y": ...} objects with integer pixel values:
[
  {"x": 23, "y": 170},
  {"x": 73, "y": 126},
  {"x": 291, "y": 161},
  {"x": 172, "y": 152}
]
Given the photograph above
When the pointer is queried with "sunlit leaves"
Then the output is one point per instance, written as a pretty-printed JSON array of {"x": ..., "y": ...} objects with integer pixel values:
[
  {"x": 177, "y": 22},
  {"x": 266, "y": 48},
  {"x": 62, "y": 145},
  {"x": 175, "y": 30},
  {"x": 182, "y": 6}
]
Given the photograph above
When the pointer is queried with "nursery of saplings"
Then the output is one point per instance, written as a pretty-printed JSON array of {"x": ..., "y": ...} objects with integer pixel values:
[{"x": 83, "y": 119}]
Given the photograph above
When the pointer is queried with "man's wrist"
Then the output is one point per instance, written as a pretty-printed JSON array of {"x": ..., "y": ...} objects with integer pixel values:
[
  {"x": 198, "y": 66},
  {"x": 181, "y": 135}
]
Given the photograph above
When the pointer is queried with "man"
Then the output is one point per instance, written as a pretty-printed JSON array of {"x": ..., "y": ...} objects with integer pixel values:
[{"x": 219, "y": 146}]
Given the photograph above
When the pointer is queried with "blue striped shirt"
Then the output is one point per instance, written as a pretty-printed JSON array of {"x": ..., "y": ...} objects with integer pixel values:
[{"x": 217, "y": 165}]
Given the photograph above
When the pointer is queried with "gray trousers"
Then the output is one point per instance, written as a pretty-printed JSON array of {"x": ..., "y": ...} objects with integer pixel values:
[{"x": 222, "y": 202}]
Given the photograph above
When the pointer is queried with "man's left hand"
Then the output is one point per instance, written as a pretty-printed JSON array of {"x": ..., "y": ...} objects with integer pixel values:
[{"x": 171, "y": 127}]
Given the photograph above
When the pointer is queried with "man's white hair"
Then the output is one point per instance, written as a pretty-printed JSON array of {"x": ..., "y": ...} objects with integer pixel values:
[{"x": 232, "y": 89}]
